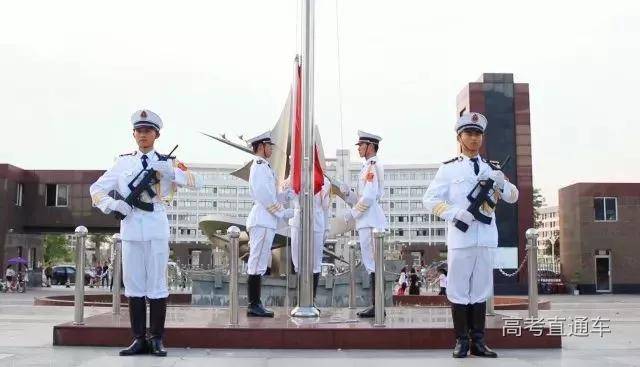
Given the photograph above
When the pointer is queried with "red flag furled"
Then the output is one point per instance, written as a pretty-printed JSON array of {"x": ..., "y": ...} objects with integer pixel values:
[{"x": 296, "y": 136}]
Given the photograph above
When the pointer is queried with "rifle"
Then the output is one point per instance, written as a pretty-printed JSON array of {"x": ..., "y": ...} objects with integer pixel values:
[
  {"x": 149, "y": 179},
  {"x": 481, "y": 194}
]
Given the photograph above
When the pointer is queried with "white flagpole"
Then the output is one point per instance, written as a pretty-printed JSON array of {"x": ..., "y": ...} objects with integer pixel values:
[{"x": 305, "y": 301}]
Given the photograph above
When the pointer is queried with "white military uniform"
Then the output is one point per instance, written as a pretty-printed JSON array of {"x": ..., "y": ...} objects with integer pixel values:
[
  {"x": 145, "y": 235},
  {"x": 263, "y": 217},
  {"x": 320, "y": 226},
  {"x": 469, "y": 254},
  {"x": 366, "y": 209}
]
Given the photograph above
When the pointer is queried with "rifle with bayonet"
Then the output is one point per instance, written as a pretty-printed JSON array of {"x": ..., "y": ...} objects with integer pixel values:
[
  {"x": 481, "y": 196},
  {"x": 149, "y": 178}
]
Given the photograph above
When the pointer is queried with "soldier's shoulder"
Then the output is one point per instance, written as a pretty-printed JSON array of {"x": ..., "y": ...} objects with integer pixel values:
[
  {"x": 493, "y": 164},
  {"x": 452, "y": 160}
]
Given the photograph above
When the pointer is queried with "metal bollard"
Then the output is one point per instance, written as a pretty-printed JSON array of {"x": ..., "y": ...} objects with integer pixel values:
[
  {"x": 378, "y": 248},
  {"x": 234, "y": 239},
  {"x": 490, "y": 306},
  {"x": 532, "y": 240},
  {"x": 352, "y": 274},
  {"x": 78, "y": 299},
  {"x": 116, "y": 277}
]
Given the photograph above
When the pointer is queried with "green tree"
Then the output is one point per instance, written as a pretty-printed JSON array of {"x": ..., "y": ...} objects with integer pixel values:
[
  {"x": 56, "y": 248},
  {"x": 98, "y": 240},
  {"x": 556, "y": 245},
  {"x": 538, "y": 202}
]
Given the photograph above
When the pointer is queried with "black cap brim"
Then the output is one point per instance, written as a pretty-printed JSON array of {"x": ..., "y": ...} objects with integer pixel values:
[
  {"x": 140, "y": 124},
  {"x": 471, "y": 129}
]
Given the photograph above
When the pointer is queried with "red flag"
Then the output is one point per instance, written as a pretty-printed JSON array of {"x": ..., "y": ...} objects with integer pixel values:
[
  {"x": 318, "y": 177},
  {"x": 296, "y": 135}
]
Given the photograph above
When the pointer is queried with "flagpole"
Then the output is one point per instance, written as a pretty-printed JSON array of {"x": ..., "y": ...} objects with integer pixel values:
[{"x": 305, "y": 300}]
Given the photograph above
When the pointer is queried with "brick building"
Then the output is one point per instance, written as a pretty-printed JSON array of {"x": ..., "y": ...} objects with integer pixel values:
[
  {"x": 600, "y": 236},
  {"x": 33, "y": 202}
]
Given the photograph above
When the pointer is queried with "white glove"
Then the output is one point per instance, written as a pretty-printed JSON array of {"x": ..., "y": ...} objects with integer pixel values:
[
  {"x": 289, "y": 194},
  {"x": 345, "y": 189},
  {"x": 287, "y": 213},
  {"x": 498, "y": 178},
  {"x": 348, "y": 216},
  {"x": 463, "y": 215},
  {"x": 121, "y": 207},
  {"x": 165, "y": 168}
]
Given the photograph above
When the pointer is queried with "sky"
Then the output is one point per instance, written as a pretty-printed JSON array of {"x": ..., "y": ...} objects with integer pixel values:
[{"x": 72, "y": 72}]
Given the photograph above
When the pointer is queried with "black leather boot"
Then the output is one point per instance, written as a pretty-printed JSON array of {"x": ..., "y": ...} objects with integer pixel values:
[
  {"x": 316, "y": 279},
  {"x": 460, "y": 326},
  {"x": 371, "y": 310},
  {"x": 138, "y": 319},
  {"x": 255, "y": 307},
  {"x": 478, "y": 316},
  {"x": 158, "y": 313}
]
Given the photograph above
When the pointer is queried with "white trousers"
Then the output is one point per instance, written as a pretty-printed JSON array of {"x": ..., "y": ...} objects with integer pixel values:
[
  {"x": 470, "y": 275},
  {"x": 318, "y": 246},
  {"x": 260, "y": 241},
  {"x": 366, "y": 249},
  {"x": 144, "y": 268}
]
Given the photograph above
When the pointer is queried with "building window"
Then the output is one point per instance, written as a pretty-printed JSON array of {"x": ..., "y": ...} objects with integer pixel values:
[
  {"x": 605, "y": 209},
  {"x": 19, "y": 189},
  {"x": 57, "y": 195},
  {"x": 416, "y": 258}
]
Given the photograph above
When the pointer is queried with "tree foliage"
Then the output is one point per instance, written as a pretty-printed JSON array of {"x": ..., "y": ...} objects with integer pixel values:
[
  {"x": 56, "y": 248},
  {"x": 538, "y": 202},
  {"x": 98, "y": 240}
]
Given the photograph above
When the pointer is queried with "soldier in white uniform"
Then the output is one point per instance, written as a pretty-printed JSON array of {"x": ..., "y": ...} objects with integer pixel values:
[
  {"x": 262, "y": 220},
  {"x": 469, "y": 255},
  {"x": 145, "y": 234},
  {"x": 320, "y": 228},
  {"x": 365, "y": 206}
]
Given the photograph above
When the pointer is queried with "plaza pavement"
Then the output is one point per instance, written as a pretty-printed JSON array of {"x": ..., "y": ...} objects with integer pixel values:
[{"x": 26, "y": 340}]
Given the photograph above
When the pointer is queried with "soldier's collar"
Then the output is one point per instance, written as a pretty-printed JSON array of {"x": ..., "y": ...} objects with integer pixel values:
[
  {"x": 151, "y": 153},
  {"x": 465, "y": 158},
  {"x": 374, "y": 159}
]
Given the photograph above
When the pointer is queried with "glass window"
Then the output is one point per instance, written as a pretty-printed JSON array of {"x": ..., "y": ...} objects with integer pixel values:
[
  {"x": 611, "y": 209},
  {"x": 51, "y": 195},
  {"x": 19, "y": 189},
  {"x": 57, "y": 195},
  {"x": 605, "y": 209}
]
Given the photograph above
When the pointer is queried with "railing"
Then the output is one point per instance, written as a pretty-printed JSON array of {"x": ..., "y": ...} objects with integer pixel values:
[
  {"x": 116, "y": 280},
  {"x": 378, "y": 244}
]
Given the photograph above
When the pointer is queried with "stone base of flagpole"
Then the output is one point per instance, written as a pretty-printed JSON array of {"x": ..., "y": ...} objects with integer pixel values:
[
  {"x": 305, "y": 312},
  {"x": 337, "y": 328}
]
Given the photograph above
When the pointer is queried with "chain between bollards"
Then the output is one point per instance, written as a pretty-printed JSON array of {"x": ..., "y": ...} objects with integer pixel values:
[
  {"x": 78, "y": 299},
  {"x": 116, "y": 275},
  {"x": 378, "y": 242},
  {"x": 234, "y": 241}
]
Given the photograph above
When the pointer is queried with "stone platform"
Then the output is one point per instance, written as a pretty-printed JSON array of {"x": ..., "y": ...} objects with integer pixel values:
[
  {"x": 500, "y": 302},
  {"x": 337, "y": 328}
]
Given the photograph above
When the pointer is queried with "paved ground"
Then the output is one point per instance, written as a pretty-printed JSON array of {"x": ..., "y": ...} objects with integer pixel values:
[{"x": 26, "y": 334}]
